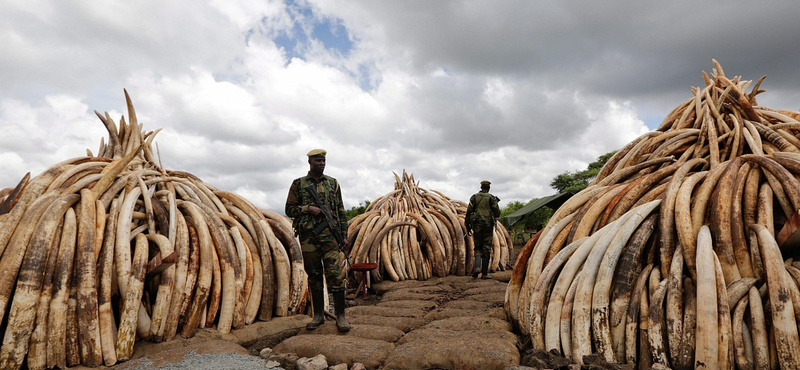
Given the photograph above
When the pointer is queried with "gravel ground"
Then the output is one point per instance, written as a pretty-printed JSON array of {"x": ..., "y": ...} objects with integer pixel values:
[{"x": 193, "y": 360}]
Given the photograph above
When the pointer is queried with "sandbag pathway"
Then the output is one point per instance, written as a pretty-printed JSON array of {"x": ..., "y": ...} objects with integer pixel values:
[{"x": 454, "y": 322}]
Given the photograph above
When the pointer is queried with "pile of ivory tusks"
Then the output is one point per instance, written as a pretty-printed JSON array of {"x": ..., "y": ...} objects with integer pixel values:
[
  {"x": 413, "y": 233},
  {"x": 75, "y": 242},
  {"x": 670, "y": 256}
]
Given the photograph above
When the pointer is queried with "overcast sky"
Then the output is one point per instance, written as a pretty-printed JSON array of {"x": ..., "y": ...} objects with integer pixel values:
[{"x": 454, "y": 92}]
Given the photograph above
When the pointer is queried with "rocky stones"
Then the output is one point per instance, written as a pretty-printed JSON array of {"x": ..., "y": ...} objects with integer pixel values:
[
  {"x": 317, "y": 362},
  {"x": 339, "y": 348}
]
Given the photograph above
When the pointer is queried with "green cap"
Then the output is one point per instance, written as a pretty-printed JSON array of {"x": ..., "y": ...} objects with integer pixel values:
[
  {"x": 317, "y": 152},
  {"x": 484, "y": 182}
]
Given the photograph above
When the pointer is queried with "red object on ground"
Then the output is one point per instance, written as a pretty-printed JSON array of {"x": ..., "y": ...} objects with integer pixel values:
[{"x": 363, "y": 268}]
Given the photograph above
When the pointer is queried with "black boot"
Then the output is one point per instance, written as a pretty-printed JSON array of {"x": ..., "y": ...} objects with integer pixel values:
[
  {"x": 318, "y": 301},
  {"x": 338, "y": 302},
  {"x": 477, "y": 266},
  {"x": 485, "y": 269}
]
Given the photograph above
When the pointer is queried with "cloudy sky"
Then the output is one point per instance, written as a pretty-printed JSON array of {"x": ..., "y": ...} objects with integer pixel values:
[{"x": 453, "y": 92}]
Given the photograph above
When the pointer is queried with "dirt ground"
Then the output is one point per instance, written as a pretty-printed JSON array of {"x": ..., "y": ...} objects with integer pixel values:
[{"x": 455, "y": 322}]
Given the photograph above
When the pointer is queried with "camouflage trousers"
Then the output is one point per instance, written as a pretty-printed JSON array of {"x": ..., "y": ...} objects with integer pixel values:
[
  {"x": 322, "y": 258},
  {"x": 482, "y": 237}
]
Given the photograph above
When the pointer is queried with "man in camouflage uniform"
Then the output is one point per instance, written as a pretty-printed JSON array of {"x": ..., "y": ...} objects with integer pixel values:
[
  {"x": 320, "y": 252},
  {"x": 482, "y": 213}
]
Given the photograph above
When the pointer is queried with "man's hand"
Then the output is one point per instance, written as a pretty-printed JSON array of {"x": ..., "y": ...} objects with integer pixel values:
[
  {"x": 348, "y": 245},
  {"x": 314, "y": 210}
]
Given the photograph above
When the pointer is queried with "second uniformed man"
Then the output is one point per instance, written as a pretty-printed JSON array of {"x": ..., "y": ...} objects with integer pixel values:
[{"x": 482, "y": 212}]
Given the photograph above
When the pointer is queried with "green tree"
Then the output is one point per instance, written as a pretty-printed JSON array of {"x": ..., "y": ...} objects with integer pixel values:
[
  {"x": 569, "y": 182},
  {"x": 600, "y": 162},
  {"x": 355, "y": 211},
  {"x": 511, "y": 207},
  {"x": 538, "y": 219},
  {"x": 533, "y": 222},
  {"x": 574, "y": 182}
]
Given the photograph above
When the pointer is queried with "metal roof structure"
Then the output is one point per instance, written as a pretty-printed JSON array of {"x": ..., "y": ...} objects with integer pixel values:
[{"x": 553, "y": 201}]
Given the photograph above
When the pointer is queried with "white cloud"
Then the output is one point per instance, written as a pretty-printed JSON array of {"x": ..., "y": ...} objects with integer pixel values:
[
  {"x": 452, "y": 91},
  {"x": 246, "y": 14},
  {"x": 499, "y": 94}
]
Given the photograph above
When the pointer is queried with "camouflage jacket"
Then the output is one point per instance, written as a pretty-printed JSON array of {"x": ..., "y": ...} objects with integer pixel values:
[
  {"x": 299, "y": 199},
  {"x": 482, "y": 209}
]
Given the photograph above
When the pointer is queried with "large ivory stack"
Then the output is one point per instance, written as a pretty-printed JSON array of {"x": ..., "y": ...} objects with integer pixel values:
[
  {"x": 413, "y": 233},
  {"x": 670, "y": 255},
  {"x": 76, "y": 241}
]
